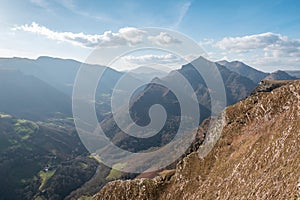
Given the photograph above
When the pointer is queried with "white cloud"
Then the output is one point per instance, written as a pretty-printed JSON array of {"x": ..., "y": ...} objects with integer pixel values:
[
  {"x": 280, "y": 45},
  {"x": 267, "y": 51},
  {"x": 150, "y": 58},
  {"x": 164, "y": 39},
  {"x": 206, "y": 41},
  {"x": 125, "y": 36}
]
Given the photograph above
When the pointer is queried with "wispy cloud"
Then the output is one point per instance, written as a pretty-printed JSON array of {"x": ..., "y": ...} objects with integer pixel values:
[
  {"x": 100, "y": 16},
  {"x": 46, "y": 5},
  {"x": 183, "y": 10},
  {"x": 40, "y": 3}
]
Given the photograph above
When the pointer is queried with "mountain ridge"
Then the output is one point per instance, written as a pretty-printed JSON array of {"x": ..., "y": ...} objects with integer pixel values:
[
  {"x": 257, "y": 150},
  {"x": 244, "y": 70}
]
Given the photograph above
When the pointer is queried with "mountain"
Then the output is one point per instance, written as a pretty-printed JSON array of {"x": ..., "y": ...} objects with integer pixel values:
[
  {"x": 256, "y": 157},
  {"x": 41, "y": 160},
  {"x": 26, "y": 96},
  {"x": 294, "y": 73},
  {"x": 57, "y": 72},
  {"x": 147, "y": 73},
  {"x": 35, "y": 89},
  {"x": 279, "y": 75},
  {"x": 244, "y": 70},
  {"x": 236, "y": 87}
]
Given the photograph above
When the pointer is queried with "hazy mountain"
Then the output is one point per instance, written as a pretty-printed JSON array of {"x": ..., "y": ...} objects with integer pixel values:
[
  {"x": 57, "y": 72},
  {"x": 295, "y": 73},
  {"x": 244, "y": 70},
  {"x": 279, "y": 75},
  {"x": 237, "y": 87},
  {"x": 44, "y": 86},
  {"x": 26, "y": 96},
  {"x": 258, "y": 151},
  {"x": 147, "y": 73}
]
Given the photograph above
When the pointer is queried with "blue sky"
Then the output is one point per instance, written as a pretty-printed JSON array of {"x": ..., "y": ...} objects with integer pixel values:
[{"x": 264, "y": 34}]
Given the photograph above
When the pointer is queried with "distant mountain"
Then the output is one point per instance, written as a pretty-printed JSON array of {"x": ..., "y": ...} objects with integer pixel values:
[
  {"x": 57, "y": 72},
  {"x": 279, "y": 75},
  {"x": 295, "y": 73},
  {"x": 244, "y": 70},
  {"x": 147, "y": 73},
  {"x": 47, "y": 75},
  {"x": 237, "y": 87},
  {"x": 256, "y": 157},
  {"x": 26, "y": 96}
]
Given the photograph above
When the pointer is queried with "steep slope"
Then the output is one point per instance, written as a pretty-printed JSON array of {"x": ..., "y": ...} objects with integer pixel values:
[
  {"x": 279, "y": 75},
  {"x": 244, "y": 70},
  {"x": 257, "y": 156}
]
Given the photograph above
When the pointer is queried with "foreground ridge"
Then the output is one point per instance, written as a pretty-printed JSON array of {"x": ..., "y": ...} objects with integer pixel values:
[{"x": 257, "y": 156}]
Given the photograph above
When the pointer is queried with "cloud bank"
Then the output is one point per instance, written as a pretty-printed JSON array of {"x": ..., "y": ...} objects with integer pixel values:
[
  {"x": 274, "y": 43},
  {"x": 125, "y": 36},
  {"x": 266, "y": 50}
]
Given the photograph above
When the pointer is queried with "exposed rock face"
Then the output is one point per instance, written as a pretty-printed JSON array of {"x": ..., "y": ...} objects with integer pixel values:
[
  {"x": 146, "y": 189},
  {"x": 257, "y": 156}
]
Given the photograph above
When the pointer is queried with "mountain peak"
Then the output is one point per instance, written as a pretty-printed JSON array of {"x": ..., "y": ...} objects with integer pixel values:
[
  {"x": 243, "y": 69},
  {"x": 279, "y": 75}
]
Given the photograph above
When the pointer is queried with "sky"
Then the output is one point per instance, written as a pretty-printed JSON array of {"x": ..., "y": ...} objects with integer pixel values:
[{"x": 264, "y": 34}]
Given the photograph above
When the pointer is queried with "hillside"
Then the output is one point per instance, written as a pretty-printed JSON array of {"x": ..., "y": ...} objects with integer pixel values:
[
  {"x": 41, "y": 160},
  {"x": 257, "y": 156}
]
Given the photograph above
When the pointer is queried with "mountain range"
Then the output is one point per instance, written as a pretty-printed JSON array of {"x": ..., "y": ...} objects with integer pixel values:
[
  {"x": 48, "y": 84},
  {"x": 36, "y": 120},
  {"x": 236, "y": 86}
]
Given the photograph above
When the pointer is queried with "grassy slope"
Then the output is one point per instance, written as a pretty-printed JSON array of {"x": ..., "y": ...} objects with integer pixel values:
[{"x": 28, "y": 147}]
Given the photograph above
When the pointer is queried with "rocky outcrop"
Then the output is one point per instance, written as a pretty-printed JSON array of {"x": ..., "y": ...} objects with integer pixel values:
[
  {"x": 269, "y": 85},
  {"x": 146, "y": 189},
  {"x": 256, "y": 157}
]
